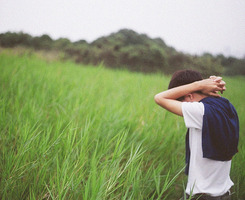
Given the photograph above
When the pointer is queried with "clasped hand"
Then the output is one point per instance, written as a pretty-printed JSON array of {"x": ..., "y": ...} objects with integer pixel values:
[{"x": 212, "y": 86}]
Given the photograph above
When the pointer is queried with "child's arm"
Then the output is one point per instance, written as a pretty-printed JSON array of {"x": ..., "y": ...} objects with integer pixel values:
[{"x": 167, "y": 99}]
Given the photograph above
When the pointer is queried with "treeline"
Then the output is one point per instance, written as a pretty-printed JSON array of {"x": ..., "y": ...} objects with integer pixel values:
[{"x": 128, "y": 49}]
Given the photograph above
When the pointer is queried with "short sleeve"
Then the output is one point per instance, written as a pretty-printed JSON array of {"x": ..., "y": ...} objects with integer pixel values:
[{"x": 193, "y": 114}]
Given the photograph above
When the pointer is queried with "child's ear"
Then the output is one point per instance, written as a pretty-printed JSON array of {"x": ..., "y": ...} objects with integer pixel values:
[{"x": 189, "y": 96}]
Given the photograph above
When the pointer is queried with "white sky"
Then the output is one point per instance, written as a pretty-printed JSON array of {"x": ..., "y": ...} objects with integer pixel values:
[{"x": 191, "y": 26}]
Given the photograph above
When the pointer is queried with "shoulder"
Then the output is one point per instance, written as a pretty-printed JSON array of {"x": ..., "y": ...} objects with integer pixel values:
[
  {"x": 193, "y": 107},
  {"x": 193, "y": 114}
]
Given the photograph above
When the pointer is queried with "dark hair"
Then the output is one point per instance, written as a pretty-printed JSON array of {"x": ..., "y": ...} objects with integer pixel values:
[{"x": 183, "y": 77}]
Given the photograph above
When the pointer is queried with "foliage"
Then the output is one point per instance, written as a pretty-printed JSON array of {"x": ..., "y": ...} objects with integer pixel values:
[
  {"x": 233, "y": 66},
  {"x": 128, "y": 49}
]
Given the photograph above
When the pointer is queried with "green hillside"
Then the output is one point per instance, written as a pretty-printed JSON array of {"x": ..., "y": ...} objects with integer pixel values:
[
  {"x": 127, "y": 49},
  {"x": 72, "y": 131}
]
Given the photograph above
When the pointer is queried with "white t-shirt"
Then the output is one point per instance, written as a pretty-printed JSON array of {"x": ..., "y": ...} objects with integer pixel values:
[{"x": 205, "y": 175}]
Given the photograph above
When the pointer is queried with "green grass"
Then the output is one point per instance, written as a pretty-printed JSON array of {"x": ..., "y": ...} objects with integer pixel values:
[{"x": 82, "y": 132}]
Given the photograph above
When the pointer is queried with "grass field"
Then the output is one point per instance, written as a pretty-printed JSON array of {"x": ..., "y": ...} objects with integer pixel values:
[{"x": 82, "y": 132}]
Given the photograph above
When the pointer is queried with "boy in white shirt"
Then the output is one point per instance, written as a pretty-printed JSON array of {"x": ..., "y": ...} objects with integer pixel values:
[{"x": 212, "y": 136}]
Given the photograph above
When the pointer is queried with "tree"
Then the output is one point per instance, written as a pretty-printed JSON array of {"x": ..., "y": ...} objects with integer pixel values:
[{"x": 62, "y": 43}]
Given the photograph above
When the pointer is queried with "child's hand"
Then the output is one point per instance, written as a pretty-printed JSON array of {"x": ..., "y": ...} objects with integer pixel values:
[
  {"x": 219, "y": 80},
  {"x": 211, "y": 86}
]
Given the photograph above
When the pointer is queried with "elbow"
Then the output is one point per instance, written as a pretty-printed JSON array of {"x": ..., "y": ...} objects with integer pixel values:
[{"x": 160, "y": 100}]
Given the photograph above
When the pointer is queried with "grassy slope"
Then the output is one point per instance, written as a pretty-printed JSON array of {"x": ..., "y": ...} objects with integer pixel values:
[{"x": 76, "y": 132}]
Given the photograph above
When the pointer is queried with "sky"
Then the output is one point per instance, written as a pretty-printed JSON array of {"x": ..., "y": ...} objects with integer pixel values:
[{"x": 190, "y": 26}]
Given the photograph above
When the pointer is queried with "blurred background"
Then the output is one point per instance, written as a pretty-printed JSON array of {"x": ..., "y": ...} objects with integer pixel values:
[{"x": 146, "y": 36}]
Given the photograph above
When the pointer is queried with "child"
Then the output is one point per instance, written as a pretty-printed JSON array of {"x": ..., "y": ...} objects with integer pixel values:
[{"x": 212, "y": 135}]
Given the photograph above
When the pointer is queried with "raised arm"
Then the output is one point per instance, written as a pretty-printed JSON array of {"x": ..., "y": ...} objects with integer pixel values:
[{"x": 167, "y": 99}]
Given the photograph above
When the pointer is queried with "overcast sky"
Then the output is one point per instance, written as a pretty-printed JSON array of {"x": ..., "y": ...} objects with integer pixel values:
[{"x": 191, "y": 26}]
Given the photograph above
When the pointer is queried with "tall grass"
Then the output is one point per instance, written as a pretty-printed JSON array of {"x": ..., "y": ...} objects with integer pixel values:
[{"x": 83, "y": 132}]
